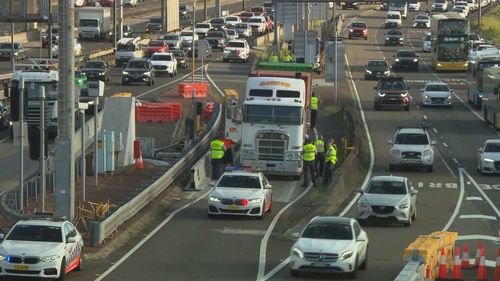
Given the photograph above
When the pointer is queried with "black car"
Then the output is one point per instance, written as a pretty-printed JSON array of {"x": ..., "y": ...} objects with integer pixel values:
[
  {"x": 405, "y": 59},
  {"x": 218, "y": 23},
  {"x": 128, "y": 32},
  {"x": 96, "y": 69},
  {"x": 216, "y": 39},
  {"x": 349, "y": 4},
  {"x": 154, "y": 25},
  {"x": 394, "y": 36},
  {"x": 184, "y": 11},
  {"x": 376, "y": 69},
  {"x": 139, "y": 70},
  {"x": 181, "y": 58},
  {"x": 6, "y": 51},
  {"x": 392, "y": 92},
  {"x": 45, "y": 36}
]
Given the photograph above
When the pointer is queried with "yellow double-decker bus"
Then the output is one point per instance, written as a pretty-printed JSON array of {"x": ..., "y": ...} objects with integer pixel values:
[{"x": 450, "y": 35}]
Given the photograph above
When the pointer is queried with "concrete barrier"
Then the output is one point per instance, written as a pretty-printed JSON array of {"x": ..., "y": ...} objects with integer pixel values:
[
  {"x": 200, "y": 171},
  {"x": 266, "y": 38},
  {"x": 22, "y": 37}
]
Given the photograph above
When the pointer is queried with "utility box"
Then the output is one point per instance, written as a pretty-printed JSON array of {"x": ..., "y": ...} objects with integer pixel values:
[
  {"x": 110, "y": 151},
  {"x": 101, "y": 152},
  {"x": 95, "y": 88}
]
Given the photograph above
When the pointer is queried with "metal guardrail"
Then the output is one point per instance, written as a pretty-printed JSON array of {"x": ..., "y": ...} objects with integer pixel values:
[{"x": 99, "y": 230}]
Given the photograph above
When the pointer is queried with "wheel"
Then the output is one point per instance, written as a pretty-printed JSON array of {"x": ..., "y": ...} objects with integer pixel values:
[
  {"x": 364, "y": 265},
  {"x": 294, "y": 272},
  {"x": 62, "y": 271},
  {"x": 172, "y": 74},
  {"x": 349, "y": 37},
  {"x": 296, "y": 178},
  {"x": 150, "y": 82},
  {"x": 377, "y": 107},
  {"x": 414, "y": 215},
  {"x": 430, "y": 169},
  {"x": 354, "y": 273},
  {"x": 211, "y": 216},
  {"x": 80, "y": 262},
  {"x": 367, "y": 78},
  {"x": 124, "y": 82},
  {"x": 408, "y": 222},
  {"x": 485, "y": 115},
  {"x": 407, "y": 108}
]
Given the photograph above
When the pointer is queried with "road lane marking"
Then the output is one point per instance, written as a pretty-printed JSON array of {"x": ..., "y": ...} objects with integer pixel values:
[
  {"x": 484, "y": 217},
  {"x": 425, "y": 117},
  {"x": 435, "y": 131},
  {"x": 145, "y": 239},
  {"x": 445, "y": 145},
  {"x": 473, "y": 181},
  {"x": 4, "y": 139},
  {"x": 477, "y": 237},
  {"x": 446, "y": 164},
  {"x": 455, "y": 160},
  {"x": 474, "y": 198},
  {"x": 227, "y": 230},
  {"x": 459, "y": 202},
  {"x": 287, "y": 195}
]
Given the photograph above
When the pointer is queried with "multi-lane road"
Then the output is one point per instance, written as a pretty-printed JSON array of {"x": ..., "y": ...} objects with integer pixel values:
[{"x": 188, "y": 246}]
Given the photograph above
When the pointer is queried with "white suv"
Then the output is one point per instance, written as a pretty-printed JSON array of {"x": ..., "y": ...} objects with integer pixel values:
[
  {"x": 164, "y": 63},
  {"x": 236, "y": 50},
  {"x": 258, "y": 24},
  {"x": 411, "y": 146},
  {"x": 393, "y": 20},
  {"x": 43, "y": 248}
]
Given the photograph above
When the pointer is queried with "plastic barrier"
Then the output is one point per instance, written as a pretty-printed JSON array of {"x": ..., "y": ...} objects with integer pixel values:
[
  {"x": 200, "y": 90},
  {"x": 157, "y": 112}
]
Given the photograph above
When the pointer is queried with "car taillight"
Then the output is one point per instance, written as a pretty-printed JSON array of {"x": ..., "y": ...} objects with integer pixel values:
[{"x": 244, "y": 202}]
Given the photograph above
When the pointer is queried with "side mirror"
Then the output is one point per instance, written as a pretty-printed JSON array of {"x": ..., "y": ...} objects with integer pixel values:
[
  {"x": 433, "y": 142},
  {"x": 296, "y": 235},
  {"x": 480, "y": 150},
  {"x": 211, "y": 183},
  {"x": 414, "y": 192},
  {"x": 267, "y": 186},
  {"x": 71, "y": 240},
  {"x": 389, "y": 142},
  {"x": 2, "y": 236},
  {"x": 359, "y": 190}
]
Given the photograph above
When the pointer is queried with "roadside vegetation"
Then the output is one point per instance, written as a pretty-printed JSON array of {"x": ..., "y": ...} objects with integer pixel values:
[{"x": 490, "y": 25}]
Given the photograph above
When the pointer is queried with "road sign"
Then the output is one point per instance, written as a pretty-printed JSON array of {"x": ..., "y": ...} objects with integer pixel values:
[{"x": 24, "y": 11}]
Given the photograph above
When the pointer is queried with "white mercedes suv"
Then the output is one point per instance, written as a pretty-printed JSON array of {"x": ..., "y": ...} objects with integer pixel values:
[
  {"x": 43, "y": 248},
  {"x": 411, "y": 146}
]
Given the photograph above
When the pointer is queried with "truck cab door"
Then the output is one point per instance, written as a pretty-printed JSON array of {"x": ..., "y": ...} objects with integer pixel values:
[{"x": 232, "y": 123}]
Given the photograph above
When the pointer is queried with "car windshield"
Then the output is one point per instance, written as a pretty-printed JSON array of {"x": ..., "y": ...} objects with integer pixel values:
[
  {"x": 492, "y": 147},
  {"x": 215, "y": 34},
  {"x": 358, "y": 25},
  {"x": 412, "y": 138},
  {"x": 392, "y": 85},
  {"x": 405, "y": 54},
  {"x": 36, "y": 233},
  {"x": 427, "y": 37},
  {"x": 138, "y": 64},
  {"x": 269, "y": 114},
  {"x": 89, "y": 22},
  {"x": 394, "y": 32},
  {"x": 239, "y": 181},
  {"x": 155, "y": 20},
  {"x": 437, "y": 88},
  {"x": 94, "y": 64},
  {"x": 457, "y": 9},
  {"x": 161, "y": 57},
  {"x": 156, "y": 43},
  {"x": 393, "y": 16},
  {"x": 241, "y": 26},
  {"x": 182, "y": 8},
  {"x": 171, "y": 37},
  {"x": 231, "y": 19},
  {"x": 380, "y": 63},
  {"x": 246, "y": 15},
  {"x": 217, "y": 21},
  {"x": 9, "y": 46},
  {"x": 187, "y": 33},
  {"x": 231, "y": 32},
  {"x": 336, "y": 231},
  {"x": 257, "y": 9},
  {"x": 202, "y": 25},
  {"x": 125, "y": 47},
  {"x": 255, "y": 20},
  {"x": 386, "y": 187},
  {"x": 236, "y": 45},
  {"x": 179, "y": 54},
  {"x": 422, "y": 17}
]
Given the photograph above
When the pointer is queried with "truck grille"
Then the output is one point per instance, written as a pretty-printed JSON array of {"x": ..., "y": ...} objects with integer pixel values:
[
  {"x": 383, "y": 209},
  {"x": 271, "y": 145},
  {"x": 322, "y": 257}
]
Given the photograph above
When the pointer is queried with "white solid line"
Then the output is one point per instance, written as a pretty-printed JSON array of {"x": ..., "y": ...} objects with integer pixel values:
[
  {"x": 4, "y": 139},
  {"x": 459, "y": 202},
  {"x": 425, "y": 117},
  {"x": 474, "y": 198},
  {"x": 477, "y": 237},
  {"x": 486, "y": 217},
  {"x": 145, "y": 239},
  {"x": 435, "y": 131},
  {"x": 263, "y": 243},
  {"x": 227, "y": 230},
  {"x": 475, "y": 113},
  {"x": 277, "y": 268},
  {"x": 446, "y": 164},
  {"x": 288, "y": 194},
  {"x": 445, "y": 145},
  {"x": 493, "y": 206},
  {"x": 455, "y": 160}
]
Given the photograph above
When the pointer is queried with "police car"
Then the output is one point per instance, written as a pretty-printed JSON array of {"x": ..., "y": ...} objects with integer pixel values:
[
  {"x": 240, "y": 193},
  {"x": 43, "y": 248}
]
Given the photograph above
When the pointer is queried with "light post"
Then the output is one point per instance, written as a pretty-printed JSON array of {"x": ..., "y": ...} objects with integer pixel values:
[
  {"x": 21, "y": 144},
  {"x": 41, "y": 158},
  {"x": 193, "y": 98},
  {"x": 82, "y": 106},
  {"x": 96, "y": 161}
]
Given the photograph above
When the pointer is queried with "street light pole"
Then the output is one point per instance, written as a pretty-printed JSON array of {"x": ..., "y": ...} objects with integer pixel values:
[
  {"x": 41, "y": 158},
  {"x": 335, "y": 54},
  {"x": 193, "y": 98},
  {"x": 83, "y": 172},
  {"x": 96, "y": 153},
  {"x": 163, "y": 21},
  {"x": 21, "y": 144}
]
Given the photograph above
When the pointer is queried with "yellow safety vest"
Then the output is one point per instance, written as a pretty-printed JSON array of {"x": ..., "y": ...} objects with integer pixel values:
[
  {"x": 217, "y": 149},
  {"x": 273, "y": 59},
  {"x": 320, "y": 146},
  {"x": 309, "y": 152},
  {"x": 314, "y": 103},
  {"x": 287, "y": 58},
  {"x": 331, "y": 154}
]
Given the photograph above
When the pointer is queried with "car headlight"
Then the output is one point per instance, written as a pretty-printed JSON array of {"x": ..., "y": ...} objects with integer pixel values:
[
  {"x": 439, "y": 65},
  {"x": 368, "y": 71},
  {"x": 426, "y": 97},
  {"x": 125, "y": 73},
  {"x": 345, "y": 255},
  {"x": 449, "y": 97},
  {"x": 415, "y": 60},
  {"x": 226, "y": 51},
  {"x": 213, "y": 199},
  {"x": 387, "y": 72},
  {"x": 395, "y": 151},
  {"x": 489, "y": 160},
  {"x": 102, "y": 73},
  {"x": 404, "y": 94},
  {"x": 380, "y": 94},
  {"x": 403, "y": 205},
  {"x": 255, "y": 200},
  {"x": 147, "y": 73},
  {"x": 363, "y": 203},
  {"x": 396, "y": 60},
  {"x": 401, "y": 39},
  {"x": 427, "y": 152},
  {"x": 48, "y": 259},
  {"x": 2, "y": 257},
  {"x": 351, "y": 30},
  {"x": 293, "y": 156},
  {"x": 297, "y": 252}
]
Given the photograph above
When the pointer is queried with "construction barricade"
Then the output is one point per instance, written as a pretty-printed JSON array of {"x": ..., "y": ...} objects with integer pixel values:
[
  {"x": 200, "y": 90},
  {"x": 149, "y": 112},
  {"x": 208, "y": 108}
]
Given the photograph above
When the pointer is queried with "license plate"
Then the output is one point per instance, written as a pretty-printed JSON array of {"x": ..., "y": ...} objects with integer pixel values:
[
  {"x": 21, "y": 267},
  {"x": 234, "y": 207},
  {"x": 392, "y": 98},
  {"x": 319, "y": 265}
]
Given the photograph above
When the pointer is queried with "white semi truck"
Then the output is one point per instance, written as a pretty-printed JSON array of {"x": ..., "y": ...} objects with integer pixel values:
[{"x": 94, "y": 22}]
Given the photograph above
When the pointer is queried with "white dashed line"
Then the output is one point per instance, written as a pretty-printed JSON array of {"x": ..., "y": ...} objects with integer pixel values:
[
  {"x": 486, "y": 217},
  {"x": 474, "y": 198},
  {"x": 435, "y": 131},
  {"x": 445, "y": 145},
  {"x": 425, "y": 117},
  {"x": 455, "y": 160}
]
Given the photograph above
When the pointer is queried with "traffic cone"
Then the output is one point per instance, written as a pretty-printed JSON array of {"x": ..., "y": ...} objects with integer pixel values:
[
  {"x": 478, "y": 254},
  {"x": 456, "y": 274},
  {"x": 139, "y": 164},
  {"x": 427, "y": 273},
  {"x": 482, "y": 271},
  {"x": 496, "y": 274},
  {"x": 443, "y": 271},
  {"x": 465, "y": 257}
]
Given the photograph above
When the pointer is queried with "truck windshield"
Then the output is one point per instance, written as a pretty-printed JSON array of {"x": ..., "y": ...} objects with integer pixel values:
[
  {"x": 33, "y": 90},
  {"x": 88, "y": 22},
  {"x": 125, "y": 48},
  {"x": 273, "y": 114}
]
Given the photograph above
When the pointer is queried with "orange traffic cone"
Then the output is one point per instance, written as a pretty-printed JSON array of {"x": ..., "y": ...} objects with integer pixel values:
[
  {"x": 443, "y": 271},
  {"x": 496, "y": 274},
  {"x": 139, "y": 164},
  {"x": 482, "y": 272},
  {"x": 478, "y": 254},
  {"x": 456, "y": 274},
  {"x": 465, "y": 257},
  {"x": 427, "y": 273}
]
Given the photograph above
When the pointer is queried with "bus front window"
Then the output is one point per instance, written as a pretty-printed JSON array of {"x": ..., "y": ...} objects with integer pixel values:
[
  {"x": 453, "y": 27},
  {"x": 452, "y": 52}
]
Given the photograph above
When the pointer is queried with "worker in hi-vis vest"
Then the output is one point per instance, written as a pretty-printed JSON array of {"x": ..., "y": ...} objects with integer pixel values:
[
  {"x": 315, "y": 102},
  {"x": 308, "y": 156},
  {"x": 217, "y": 150},
  {"x": 331, "y": 160},
  {"x": 320, "y": 156}
]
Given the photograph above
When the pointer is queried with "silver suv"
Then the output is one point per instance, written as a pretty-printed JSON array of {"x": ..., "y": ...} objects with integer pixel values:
[{"x": 411, "y": 146}]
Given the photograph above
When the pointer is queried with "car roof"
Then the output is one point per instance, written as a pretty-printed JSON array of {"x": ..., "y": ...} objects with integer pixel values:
[
  {"x": 376, "y": 61},
  {"x": 242, "y": 173},
  {"x": 336, "y": 219},
  {"x": 236, "y": 40},
  {"x": 162, "y": 53},
  {"x": 436, "y": 83},
  {"x": 411, "y": 130},
  {"x": 394, "y": 12},
  {"x": 493, "y": 141},
  {"x": 46, "y": 222},
  {"x": 405, "y": 50},
  {"x": 388, "y": 178}
]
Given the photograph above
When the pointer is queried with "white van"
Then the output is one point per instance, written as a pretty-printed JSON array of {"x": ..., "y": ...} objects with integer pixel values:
[
  {"x": 130, "y": 3},
  {"x": 127, "y": 49},
  {"x": 399, "y": 6},
  {"x": 393, "y": 20}
]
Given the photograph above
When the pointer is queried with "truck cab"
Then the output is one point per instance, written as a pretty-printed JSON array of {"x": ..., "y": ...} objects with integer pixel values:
[
  {"x": 127, "y": 49},
  {"x": 94, "y": 22}
]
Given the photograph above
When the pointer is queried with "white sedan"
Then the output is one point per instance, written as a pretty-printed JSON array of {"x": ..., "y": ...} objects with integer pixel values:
[
  {"x": 414, "y": 6},
  {"x": 436, "y": 93},
  {"x": 330, "y": 245},
  {"x": 240, "y": 193},
  {"x": 164, "y": 63},
  {"x": 488, "y": 157}
]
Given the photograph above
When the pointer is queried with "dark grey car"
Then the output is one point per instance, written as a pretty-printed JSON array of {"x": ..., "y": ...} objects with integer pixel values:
[
  {"x": 6, "y": 51},
  {"x": 394, "y": 36},
  {"x": 405, "y": 59},
  {"x": 96, "y": 69},
  {"x": 376, "y": 69},
  {"x": 216, "y": 39},
  {"x": 154, "y": 25},
  {"x": 139, "y": 70},
  {"x": 181, "y": 58}
]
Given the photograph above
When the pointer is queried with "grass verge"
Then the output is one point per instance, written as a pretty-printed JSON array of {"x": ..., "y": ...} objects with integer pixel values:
[{"x": 490, "y": 24}]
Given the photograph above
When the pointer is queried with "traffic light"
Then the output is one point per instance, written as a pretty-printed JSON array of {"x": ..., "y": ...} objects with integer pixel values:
[
  {"x": 81, "y": 80},
  {"x": 34, "y": 142},
  {"x": 199, "y": 108}
]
